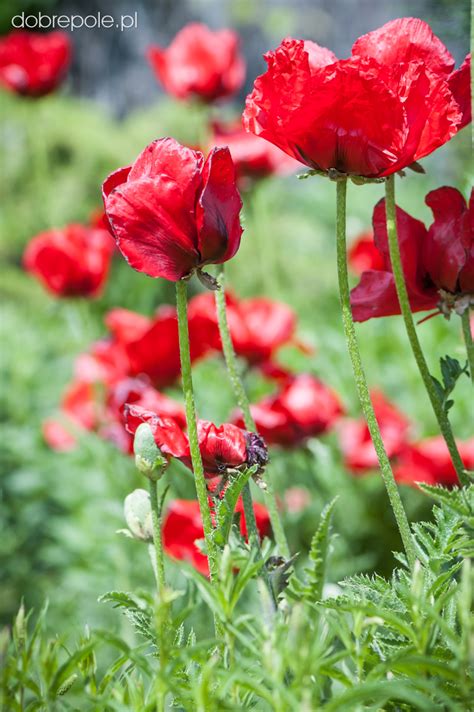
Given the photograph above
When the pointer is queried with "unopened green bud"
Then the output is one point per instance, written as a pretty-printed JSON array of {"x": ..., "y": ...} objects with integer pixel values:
[
  {"x": 149, "y": 459},
  {"x": 137, "y": 511}
]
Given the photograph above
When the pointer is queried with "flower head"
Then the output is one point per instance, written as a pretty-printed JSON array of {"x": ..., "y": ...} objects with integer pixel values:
[
  {"x": 173, "y": 212},
  {"x": 200, "y": 63},
  {"x": 33, "y": 64},
  {"x": 394, "y": 101},
  {"x": 429, "y": 461},
  {"x": 354, "y": 436},
  {"x": 438, "y": 263},
  {"x": 73, "y": 261},
  {"x": 302, "y": 408}
]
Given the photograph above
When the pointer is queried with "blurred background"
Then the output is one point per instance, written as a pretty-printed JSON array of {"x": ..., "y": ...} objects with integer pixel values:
[{"x": 59, "y": 512}]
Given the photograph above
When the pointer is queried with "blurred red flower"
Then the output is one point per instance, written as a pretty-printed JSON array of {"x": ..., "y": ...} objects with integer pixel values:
[
  {"x": 363, "y": 254},
  {"x": 429, "y": 461},
  {"x": 355, "y": 441},
  {"x": 253, "y": 157},
  {"x": 258, "y": 326},
  {"x": 172, "y": 212},
  {"x": 394, "y": 101},
  {"x": 438, "y": 263},
  {"x": 73, "y": 261},
  {"x": 182, "y": 529},
  {"x": 33, "y": 64},
  {"x": 200, "y": 63},
  {"x": 303, "y": 407}
]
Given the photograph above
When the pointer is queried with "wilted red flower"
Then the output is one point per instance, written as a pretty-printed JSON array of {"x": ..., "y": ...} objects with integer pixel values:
[
  {"x": 182, "y": 529},
  {"x": 73, "y": 261},
  {"x": 303, "y": 407},
  {"x": 429, "y": 461},
  {"x": 172, "y": 212},
  {"x": 394, "y": 101},
  {"x": 258, "y": 327},
  {"x": 200, "y": 63},
  {"x": 228, "y": 447},
  {"x": 33, "y": 64},
  {"x": 356, "y": 443},
  {"x": 253, "y": 157},
  {"x": 438, "y": 263},
  {"x": 363, "y": 254}
]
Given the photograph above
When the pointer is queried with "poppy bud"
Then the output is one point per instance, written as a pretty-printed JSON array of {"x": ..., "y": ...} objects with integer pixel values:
[
  {"x": 149, "y": 459},
  {"x": 137, "y": 511}
]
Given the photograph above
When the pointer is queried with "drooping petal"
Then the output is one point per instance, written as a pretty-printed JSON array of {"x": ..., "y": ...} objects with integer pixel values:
[
  {"x": 218, "y": 209},
  {"x": 449, "y": 240}
]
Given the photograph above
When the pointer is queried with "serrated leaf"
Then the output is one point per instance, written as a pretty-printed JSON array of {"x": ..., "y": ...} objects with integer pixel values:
[
  {"x": 225, "y": 507},
  {"x": 311, "y": 589}
]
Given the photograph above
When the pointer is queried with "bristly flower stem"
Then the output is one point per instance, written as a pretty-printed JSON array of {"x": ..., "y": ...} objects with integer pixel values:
[
  {"x": 398, "y": 275},
  {"x": 466, "y": 330},
  {"x": 196, "y": 459},
  {"x": 360, "y": 379},
  {"x": 157, "y": 537},
  {"x": 244, "y": 405}
]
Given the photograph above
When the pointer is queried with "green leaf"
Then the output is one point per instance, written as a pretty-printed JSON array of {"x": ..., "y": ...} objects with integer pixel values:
[
  {"x": 311, "y": 589},
  {"x": 225, "y": 507}
]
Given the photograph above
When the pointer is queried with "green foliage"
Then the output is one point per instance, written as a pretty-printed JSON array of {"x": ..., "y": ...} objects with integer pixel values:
[
  {"x": 402, "y": 643},
  {"x": 451, "y": 372},
  {"x": 311, "y": 590}
]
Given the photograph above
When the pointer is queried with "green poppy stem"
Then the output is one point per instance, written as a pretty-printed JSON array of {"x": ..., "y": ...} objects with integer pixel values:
[
  {"x": 466, "y": 330},
  {"x": 157, "y": 537},
  {"x": 398, "y": 275},
  {"x": 196, "y": 459},
  {"x": 244, "y": 405},
  {"x": 360, "y": 379}
]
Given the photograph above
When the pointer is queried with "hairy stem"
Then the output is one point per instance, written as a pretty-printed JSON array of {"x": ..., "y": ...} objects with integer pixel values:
[
  {"x": 198, "y": 469},
  {"x": 405, "y": 308},
  {"x": 360, "y": 379},
  {"x": 244, "y": 405},
  {"x": 157, "y": 537},
  {"x": 466, "y": 330}
]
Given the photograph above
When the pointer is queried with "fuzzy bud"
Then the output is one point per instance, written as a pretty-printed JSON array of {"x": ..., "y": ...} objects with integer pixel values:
[
  {"x": 149, "y": 459},
  {"x": 137, "y": 511}
]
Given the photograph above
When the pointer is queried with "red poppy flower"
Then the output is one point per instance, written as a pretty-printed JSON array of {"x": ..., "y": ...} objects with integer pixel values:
[
  {"x": 438, "y": 263},
  {"x": 356, "y": 443},
  {"x": 168, "y": 435},
  {"x": 79, "y": 410},
  {"x": 429, "y": 461},
  {"x": 172, "y": 212},
  {"x": 394, "y": 101},
  {"x": 58, "y": 436},
  {"x": 73, "y": 261},
  {"x": 363, "y": 254},
  {"x": 200, "y": 63},
  {"x": 182, "y": 529},
  {"x": 33, "y": 63},
  {"x": 253, "y": 157},
  {"x": 258, "y": 327},
  {"x": 304, "y": 407},
  {"x": 228, "y": 447}
]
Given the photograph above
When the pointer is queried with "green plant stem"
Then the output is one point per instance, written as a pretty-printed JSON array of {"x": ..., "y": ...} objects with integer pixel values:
[
  {"x": 157, "y": 537},
  {"x": 360, "y": 379},
  {"x": 198, "y": 469},
  {"x": 244, "y": 405},
  {"x": 466, "y": 330},
  {"x": 397, "y": 269}
]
